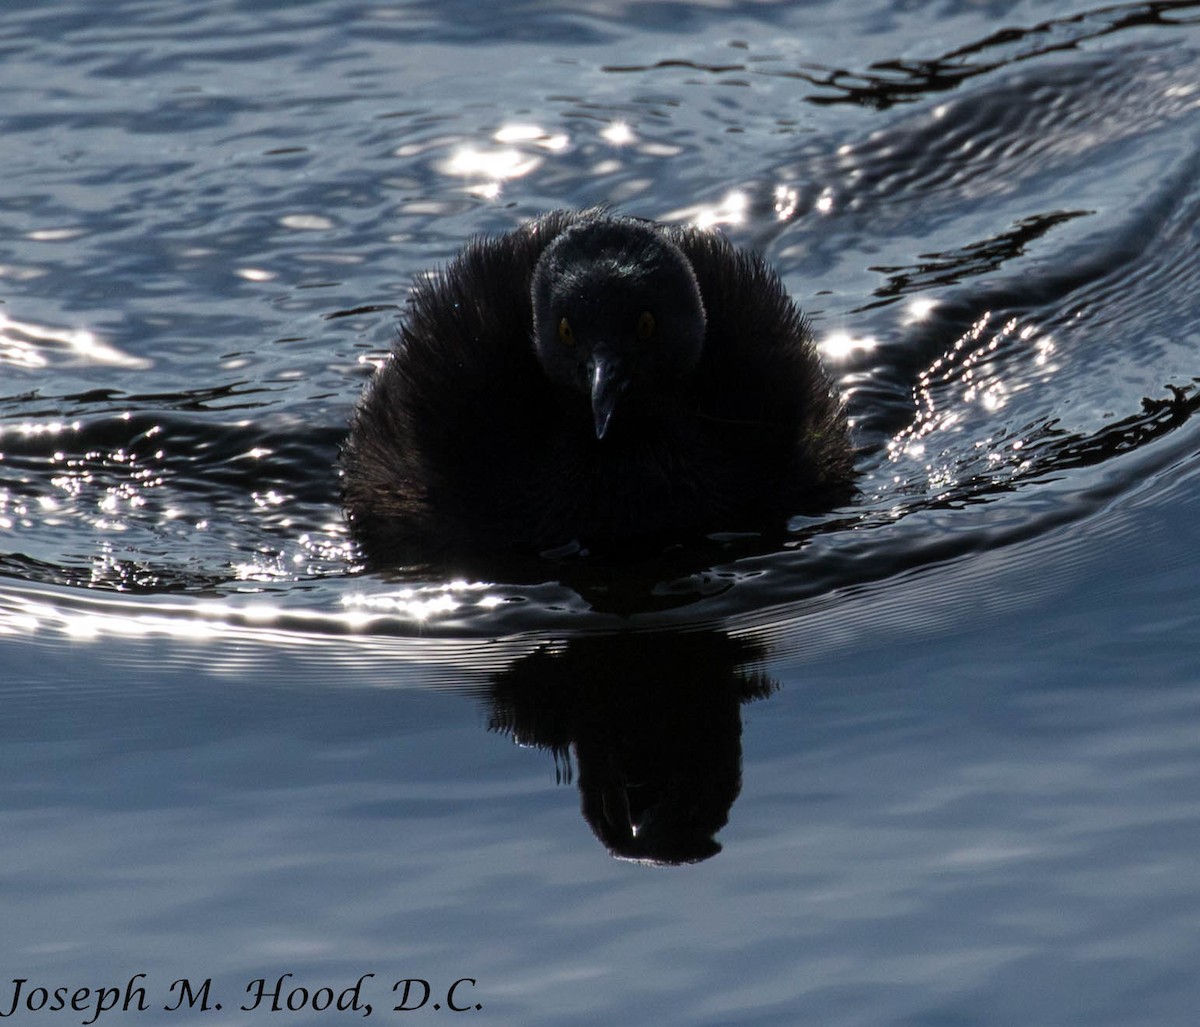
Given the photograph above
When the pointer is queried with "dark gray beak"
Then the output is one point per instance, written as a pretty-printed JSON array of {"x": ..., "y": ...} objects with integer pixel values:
[{"x": 608, "y": 382}]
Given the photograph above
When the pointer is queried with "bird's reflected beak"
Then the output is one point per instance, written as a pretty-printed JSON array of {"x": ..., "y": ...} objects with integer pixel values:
[{"x": 608, "y": 382}]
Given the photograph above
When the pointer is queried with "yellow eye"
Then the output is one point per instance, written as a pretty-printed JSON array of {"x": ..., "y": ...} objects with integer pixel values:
[
  {"x": 565, "y": 335},
  {"x": 645, "y": 326}
]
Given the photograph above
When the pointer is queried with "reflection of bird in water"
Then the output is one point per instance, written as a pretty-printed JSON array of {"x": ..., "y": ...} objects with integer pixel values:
[
  {"x": 654, "y": 724},
  {"x": 590, "y": 378}
]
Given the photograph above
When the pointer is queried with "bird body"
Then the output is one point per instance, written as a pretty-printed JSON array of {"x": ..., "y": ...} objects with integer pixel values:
[{"x": 587, "y": 379}]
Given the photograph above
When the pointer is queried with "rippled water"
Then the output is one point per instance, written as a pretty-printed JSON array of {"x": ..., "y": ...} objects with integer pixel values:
[{"x": 943, "y": 737}]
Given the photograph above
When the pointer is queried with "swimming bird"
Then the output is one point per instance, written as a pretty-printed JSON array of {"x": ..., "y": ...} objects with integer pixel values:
[{"x": 587, "y": 379}]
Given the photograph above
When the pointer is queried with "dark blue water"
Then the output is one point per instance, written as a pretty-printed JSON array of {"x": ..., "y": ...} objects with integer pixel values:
[{"x": 932, "y": 759}]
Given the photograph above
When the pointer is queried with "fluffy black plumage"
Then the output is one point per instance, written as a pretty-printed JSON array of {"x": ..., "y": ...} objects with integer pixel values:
[{"x": 591, "y": 378}]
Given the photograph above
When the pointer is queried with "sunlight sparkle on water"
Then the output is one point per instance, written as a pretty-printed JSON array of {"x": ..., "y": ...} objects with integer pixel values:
[
  {"x": 260, "y": 572},
  {"x": 254, "y": 274},
  {"x": 420, "y": 602},
  {"x": 787, "y": 200},
  {"x": 618, "y": 133},
  {"x": 268, "y": 498},
  {"x": 54, "y": 234},
  {"x": 30, "y": 429},
  {"x": 29, "y": 345},
  {"x": 730, "y": 211},
  {"x": 1044, "y": 348},
  {"x": 532, "y": 134},
  {"x": 306, "y": 222},
  {"x": 504, "y": 163},
  {"x": 494, "y": 166},
  {"x": 841, "y": 345},
  {"x": 918, "y": 309}
]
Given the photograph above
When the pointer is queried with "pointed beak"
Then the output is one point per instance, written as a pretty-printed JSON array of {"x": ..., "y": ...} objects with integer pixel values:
[{"x": 608, "y": 382}]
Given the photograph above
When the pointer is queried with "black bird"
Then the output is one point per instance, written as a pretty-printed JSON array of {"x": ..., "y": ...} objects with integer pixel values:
[{"x": 588, "y": 379}]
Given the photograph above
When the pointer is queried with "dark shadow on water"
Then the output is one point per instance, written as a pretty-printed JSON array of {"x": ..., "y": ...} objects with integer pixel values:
[
  {"x": 940, "y": 270},
  {"x": 645, "y": 576},
  {"x": 648, "y": 726},
  {"x": 887, "y": 83}
]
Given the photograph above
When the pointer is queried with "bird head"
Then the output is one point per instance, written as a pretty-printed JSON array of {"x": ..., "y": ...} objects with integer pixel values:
[{"x": 617, "y": 316}]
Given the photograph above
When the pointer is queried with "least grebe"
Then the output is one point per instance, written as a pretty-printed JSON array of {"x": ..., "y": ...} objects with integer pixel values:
[{"x": 587, "y": 379}]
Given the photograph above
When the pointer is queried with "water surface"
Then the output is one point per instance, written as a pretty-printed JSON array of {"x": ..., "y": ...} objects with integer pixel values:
[{"x": 929, "y": 759}]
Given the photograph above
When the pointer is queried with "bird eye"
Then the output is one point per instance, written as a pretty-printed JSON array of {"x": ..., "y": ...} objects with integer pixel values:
[
  {"x": 565, "y": 335},
  {"x": 645, "y": 326}
]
